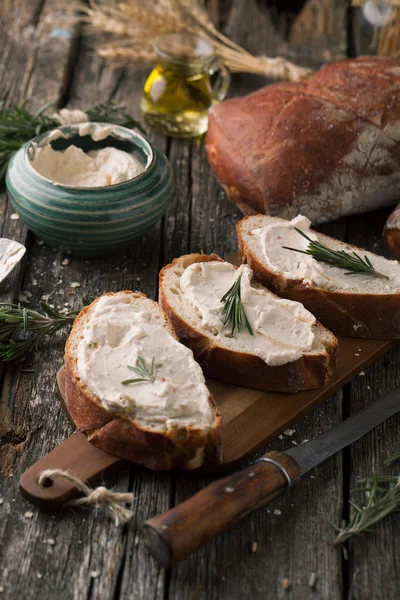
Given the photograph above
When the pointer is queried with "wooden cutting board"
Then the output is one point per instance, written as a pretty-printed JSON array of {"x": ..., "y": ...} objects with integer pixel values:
[{"x": 251, "y": 418}]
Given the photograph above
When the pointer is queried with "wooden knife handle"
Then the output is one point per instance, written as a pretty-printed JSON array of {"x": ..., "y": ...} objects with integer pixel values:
[{"x": 173, "y": 535}]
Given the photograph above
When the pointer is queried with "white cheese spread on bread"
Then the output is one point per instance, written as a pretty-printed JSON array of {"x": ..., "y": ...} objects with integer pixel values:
[
  {"x": 114, "y": 338},
  {"x": 294, "y": 265},
  {"x": 282, "y": 329}
]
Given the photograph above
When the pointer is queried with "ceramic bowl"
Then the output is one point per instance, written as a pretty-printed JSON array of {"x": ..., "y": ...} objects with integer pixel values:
[{"x": 92, "y": 221}]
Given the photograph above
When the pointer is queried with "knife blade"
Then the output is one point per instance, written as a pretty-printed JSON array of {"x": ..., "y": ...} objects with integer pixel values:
[{"x": 173, "y": 535}]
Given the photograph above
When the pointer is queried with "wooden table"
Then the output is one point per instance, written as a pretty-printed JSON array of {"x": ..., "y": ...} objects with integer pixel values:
[{"x": 80, "y": 554}]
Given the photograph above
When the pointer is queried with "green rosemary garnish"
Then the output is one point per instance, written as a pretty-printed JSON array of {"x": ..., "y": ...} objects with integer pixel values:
[
  {"x": 233, "y": 311},
  {"x": 22, "y": 329},
  {"x": 146, "y": 374},
  {"x": 391, "y": 459},
  {"x": 381, "y": 497},
  {"x": 18, "y": 125},
  {"x": 352, "y": 263}
]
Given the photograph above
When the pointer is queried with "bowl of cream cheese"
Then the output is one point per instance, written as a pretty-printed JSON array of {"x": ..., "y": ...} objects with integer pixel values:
[{"x": 89, "y": 188}]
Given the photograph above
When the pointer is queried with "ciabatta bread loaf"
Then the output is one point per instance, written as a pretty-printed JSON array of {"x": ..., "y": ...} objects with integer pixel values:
[
  {"x": 325, "y": 147},
  {"x": 285, "y": 350},
  {"x": 134, "y": 390},
  {"x": 349, "y": 305}
]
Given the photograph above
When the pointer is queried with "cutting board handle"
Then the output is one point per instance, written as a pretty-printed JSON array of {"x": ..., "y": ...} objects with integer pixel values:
[
  {"x": 75, "y": 455},
  {"x": 173, "y": 535}
]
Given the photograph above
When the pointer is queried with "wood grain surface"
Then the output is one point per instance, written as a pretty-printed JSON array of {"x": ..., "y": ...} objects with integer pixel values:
[{"x": 90, "y": 558}]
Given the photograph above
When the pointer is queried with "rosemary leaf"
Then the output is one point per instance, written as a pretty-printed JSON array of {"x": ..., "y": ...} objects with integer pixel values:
[
  {"x": 352, "y": 263},
  {"x": 146, "y": 374},
  {"x": 18, "y": 125},
  {"x": 391, "y": 459},
  {"x": 381, "y": 497},
  {"x": 23, "y": 330},
  {"x": 233, "y": 312}
]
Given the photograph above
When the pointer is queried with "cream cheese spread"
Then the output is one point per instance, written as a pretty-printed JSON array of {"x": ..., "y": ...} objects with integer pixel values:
[
  {"x": 96, "y": 168},
  {"x": 294, "y": 265},
  {"x": 282, "y": 329},
  {"x": 116, "y": 335}
]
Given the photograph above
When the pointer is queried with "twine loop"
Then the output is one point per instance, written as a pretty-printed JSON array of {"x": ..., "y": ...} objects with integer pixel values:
[
  {"x": 100, "y": 496},
  {"x": 280, "y": 68}
]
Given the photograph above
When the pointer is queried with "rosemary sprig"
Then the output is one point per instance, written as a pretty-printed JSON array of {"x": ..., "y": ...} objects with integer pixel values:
[
  {"x": 18, "y": 125},
  {"x": 352, "y": 263},
  {"x": 381, "y": 498},
  {"x": 146, "y": 374},
  {"x": 391, "y": 459},
  {"x": 233, "y": 311},
  {"x": 22, "y": 330}
]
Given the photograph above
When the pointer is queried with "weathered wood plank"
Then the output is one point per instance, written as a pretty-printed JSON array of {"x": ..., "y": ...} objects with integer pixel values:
[{"x": 374, "y": 559}]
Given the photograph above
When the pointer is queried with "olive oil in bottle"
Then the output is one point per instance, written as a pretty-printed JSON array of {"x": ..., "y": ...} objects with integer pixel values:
[{"x": 178, "y": 92}]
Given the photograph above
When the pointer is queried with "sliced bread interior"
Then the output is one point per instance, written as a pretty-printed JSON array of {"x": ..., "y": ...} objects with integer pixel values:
[
  {"x": 356, "y": 305},
  {"x": 134, "y": 390},
  {"x": 284, "y": 348}
]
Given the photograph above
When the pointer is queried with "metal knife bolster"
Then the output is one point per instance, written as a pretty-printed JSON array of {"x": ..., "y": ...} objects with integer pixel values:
[{"x": 327, "y": 444}]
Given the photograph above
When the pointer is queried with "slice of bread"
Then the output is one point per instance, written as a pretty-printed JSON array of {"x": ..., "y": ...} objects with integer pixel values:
[
  {"x": 226, "y": 357},
  {"x": 365, "y": 307},
  {"x": 179, "y": 428}
]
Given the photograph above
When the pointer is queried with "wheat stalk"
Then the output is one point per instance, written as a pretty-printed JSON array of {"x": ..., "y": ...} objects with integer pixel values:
[{"x": 129, "y": 28}]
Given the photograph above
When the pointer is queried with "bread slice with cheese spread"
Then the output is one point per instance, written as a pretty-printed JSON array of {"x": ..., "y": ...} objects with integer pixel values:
[
  {"x": 356, "y": 305},
  {"x": 134, "y": 390},
  {"x": 284, "y": 348}
]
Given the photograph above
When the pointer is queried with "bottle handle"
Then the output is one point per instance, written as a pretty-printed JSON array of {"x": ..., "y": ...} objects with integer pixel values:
[{"x": 221, "y": 86}]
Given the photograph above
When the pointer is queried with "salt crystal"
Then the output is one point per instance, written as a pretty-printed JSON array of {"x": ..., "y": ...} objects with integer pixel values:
[
  {"x": 14, "y": 217},
  {"x": 94, "y": 574},
  {"x": 277, "y": 512},
  {"x": 39, "y": 575},
  {"x": 356, "y": 354},
  {"x": 28, "y": 514},
  {"x": 75, "y": 284},
  {"x": 49, "y": 541},
  {"x": 65, "y": 262},
  {"x": 361, "y": 373},
  {"x": 280, "y": 437}
]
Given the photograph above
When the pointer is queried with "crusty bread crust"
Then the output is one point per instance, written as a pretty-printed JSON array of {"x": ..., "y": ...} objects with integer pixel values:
[
  {"x": 184, "y": 448},
  {"x": 311, "y": 371},
  {"x": 391, "y": 231},
  {"x": 348, "y": 314},
  {"x": 292, "y": 148}
]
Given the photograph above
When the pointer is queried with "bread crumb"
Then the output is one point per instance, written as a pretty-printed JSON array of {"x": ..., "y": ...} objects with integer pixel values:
[
  {"x": 50, "y": 541},
  {"x": 39, "y": 575},
  {"x": 45, "y": 297},
  {"x": 280, "y": 437},
  {"x": 312, "y": 580},
  {"x": 285, "y": 583},
  {"x": 356, "y": 354},
  {"x": 304, "y": 441},
  {"x": 294, "y": 443},
  {"x": 289, "y": 432},
  {"x": 14, "y": 217},
  {"x": 277, "y": 512},
  {"x": 254, "y": 547},
  {"x": 94, "y": 574},
  {"x": 28, "y": 514},
  {"x": 75, "y": 284},
  {"x": 65, "y": 262},
  {"x": 361, "y": 373}
]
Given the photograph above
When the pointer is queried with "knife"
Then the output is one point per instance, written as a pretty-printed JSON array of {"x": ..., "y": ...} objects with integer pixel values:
[{"x": 173, "y": 535}]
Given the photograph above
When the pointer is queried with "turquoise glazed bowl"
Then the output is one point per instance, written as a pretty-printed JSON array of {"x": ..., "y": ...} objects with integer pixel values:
[{"x": 91, "y": 221}]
